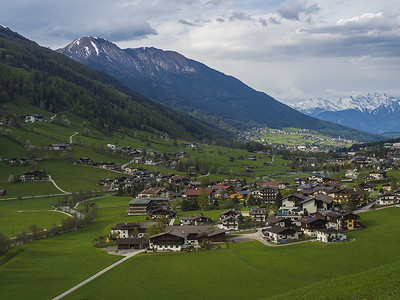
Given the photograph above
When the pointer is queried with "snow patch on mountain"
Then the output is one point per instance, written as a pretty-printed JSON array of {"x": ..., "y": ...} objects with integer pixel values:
[
  {"x": 362, "y": 103},
  {"x": 95, "y": 47}
]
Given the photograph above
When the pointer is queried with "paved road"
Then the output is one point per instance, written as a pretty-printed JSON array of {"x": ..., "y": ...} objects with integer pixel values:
[
  {"x": 57, "y": 187},
  {"x": 127, "y": 256},
  {"x": 257, "y": 236},
  {"x": 366, "y": 208},
  {"x": 70, "y": 138},
  {"x": 123, "y": 166}
]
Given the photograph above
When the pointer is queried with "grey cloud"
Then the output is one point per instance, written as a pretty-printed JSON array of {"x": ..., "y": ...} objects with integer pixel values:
[
  {"x": 240, "y": 16},
  {"x": 220, "y": 20},
  {"x": 263, "y": 21},
  {"x": 291, "y": 9},
  {"x": 273, "y": 20},
  {"x": 184, "y": 22}
]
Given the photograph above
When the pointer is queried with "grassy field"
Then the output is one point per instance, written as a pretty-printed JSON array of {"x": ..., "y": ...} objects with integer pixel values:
[
  {"x": 12, "y": 223},
  {"x": 252, "y": 270},
  {"x": 247, "y": 270},
  {"x": 26, "y": 189}
]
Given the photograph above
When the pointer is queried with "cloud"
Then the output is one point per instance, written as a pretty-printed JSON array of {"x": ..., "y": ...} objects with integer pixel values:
[
  {"x": 263, "y": 22},
  {"x": 240, "y": 16},
  {"x": 273, "y": 20},
  {"x": 184, "y": 22},
  {"x": 291, "y": 9}
]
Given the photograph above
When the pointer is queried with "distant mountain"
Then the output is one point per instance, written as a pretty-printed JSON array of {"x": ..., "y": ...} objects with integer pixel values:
[
  {"x": 375, "y": 113},
  {"x": 56, "y": 83},
  {"x": 194, "y": 88}
]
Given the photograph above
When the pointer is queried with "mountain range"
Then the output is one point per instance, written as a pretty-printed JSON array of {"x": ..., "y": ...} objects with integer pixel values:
[
  {"x": 196, "y": 89},
  {"x": 376, "y": 112},
  {"x": 35, "y": 75}
]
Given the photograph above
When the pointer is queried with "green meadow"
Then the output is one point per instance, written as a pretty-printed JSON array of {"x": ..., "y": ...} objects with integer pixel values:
[
  {"x": 12, "y": 223},
  {"x": 248, "y": 270},
  {"x": 254, "y": 271}
]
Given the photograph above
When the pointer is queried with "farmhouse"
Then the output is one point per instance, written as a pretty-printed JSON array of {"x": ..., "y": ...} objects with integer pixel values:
[
  {"x": 279, "y": 234},
  {"x": 162, "y": 212},
  {"x": 168, "y": 241},
  {"x": 229, "y": 223},
  {"x": 377, "y": 175},
  {"x": 31, "y": 175},
  {"x": 309, "y": 225},
  {"x": 57, "y": 147},
  {"x": 258, "y": 214},
  {"x": 388, "y": 199},
  {"x": 340, "y": 219},
  {"x": 196, "y": 234},
  {"x": 126, "y": 230},
  {"x": 330, "y": 235},
  {"x": 279, "y": 221},
  {"x": 195, "y": 220}
]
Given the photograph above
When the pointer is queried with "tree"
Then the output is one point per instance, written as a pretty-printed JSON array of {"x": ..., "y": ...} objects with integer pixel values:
[
  {"x": 4, "y": 243},
  {"x": 86, "y": 132},
  {"x": 235, "y": 200},
  {"x": 202, "y": 199},
  {"x": 11, "y": 178},
  {"x": 278, "y": 199}
]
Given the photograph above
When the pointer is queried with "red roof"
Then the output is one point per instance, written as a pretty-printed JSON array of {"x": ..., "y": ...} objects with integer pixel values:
[{"x": 196, "y": 192}]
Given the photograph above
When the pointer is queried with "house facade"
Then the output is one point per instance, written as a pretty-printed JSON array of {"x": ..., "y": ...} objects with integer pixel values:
[{"x": 330, "y": 235}]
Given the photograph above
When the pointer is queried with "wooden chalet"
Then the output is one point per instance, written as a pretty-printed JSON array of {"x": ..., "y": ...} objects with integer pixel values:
[
  {"x": 340, "y": 219},
  {"x": 279, "y": 221},
  {"x": 197, "y": 220},
  {"x": 168, "y": 241},
  {"x": 259, "y": 215},
  {"x": 161, "y": 212},
  {"x": 309, "y": 225}
]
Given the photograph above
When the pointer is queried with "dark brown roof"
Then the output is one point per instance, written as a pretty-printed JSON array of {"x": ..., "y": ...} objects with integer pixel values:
[{"x": 130, "y": 241}]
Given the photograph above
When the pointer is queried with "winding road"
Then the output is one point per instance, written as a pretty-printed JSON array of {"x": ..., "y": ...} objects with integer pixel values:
[{"x": 70, "y": 138}]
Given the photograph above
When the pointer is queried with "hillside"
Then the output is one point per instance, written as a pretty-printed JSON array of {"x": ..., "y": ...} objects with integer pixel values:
[
  {"x": 36, "y": 75},
  {"x": 192, "y": 87},
  {"x": 375, "y": 113}
]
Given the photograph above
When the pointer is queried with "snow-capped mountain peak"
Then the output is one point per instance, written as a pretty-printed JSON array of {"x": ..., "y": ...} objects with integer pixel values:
[
  {"x": 374, "y": 112},
  {"x": 363, "y": 103}
]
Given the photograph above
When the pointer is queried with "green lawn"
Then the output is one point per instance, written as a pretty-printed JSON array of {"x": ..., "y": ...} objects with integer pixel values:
[{"x": 12, "y": 223}]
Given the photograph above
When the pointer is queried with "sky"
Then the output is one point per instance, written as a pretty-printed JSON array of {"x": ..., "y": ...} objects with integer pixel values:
[{"x": 292, "y": 50}]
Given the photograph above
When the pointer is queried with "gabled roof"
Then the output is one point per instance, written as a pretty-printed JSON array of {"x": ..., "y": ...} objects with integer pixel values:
[
  {"x": 189, "y": 229},
  {"x": 231, "y": 210},
  {"x": 196, "y": 192},
  {"x": 319, "y": 197},
  {"x": 278, "y": 229},
  {"x": 174, "y": 233}
]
